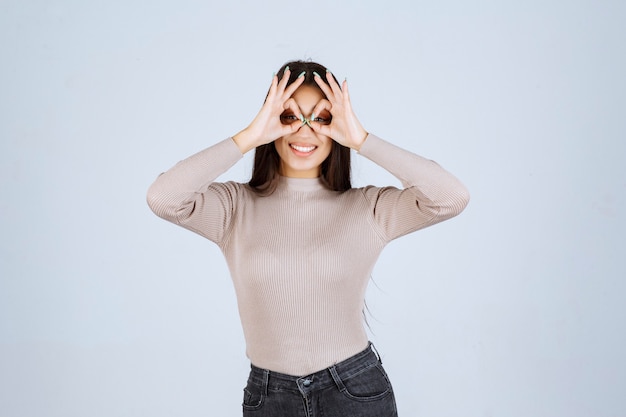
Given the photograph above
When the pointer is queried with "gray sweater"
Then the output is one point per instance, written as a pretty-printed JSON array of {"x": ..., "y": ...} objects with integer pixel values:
[{"x": 301, "y": 258}]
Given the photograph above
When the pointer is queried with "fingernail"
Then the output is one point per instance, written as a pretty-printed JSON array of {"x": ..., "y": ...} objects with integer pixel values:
[
  {"x": 302, "y": 119},
  {"x": 312, "y": 116},
  {"x": 315, "y": 73},
  {"x": 286, "y": 69},
  {"x": 302, "y": 74}
]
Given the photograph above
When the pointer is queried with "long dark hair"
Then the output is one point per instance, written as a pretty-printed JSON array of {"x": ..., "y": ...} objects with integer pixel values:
[{"x": 335, "y": 170}]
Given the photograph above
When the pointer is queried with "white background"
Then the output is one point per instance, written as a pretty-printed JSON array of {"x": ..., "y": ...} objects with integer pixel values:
[{"x": 515, "y": 308}]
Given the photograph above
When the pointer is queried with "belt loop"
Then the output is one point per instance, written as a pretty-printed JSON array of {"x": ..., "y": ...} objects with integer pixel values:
[
  {"x": 376, "y": 352},
  {"x": 338, "y": 381},
  {"x": 266, "y": 378}
]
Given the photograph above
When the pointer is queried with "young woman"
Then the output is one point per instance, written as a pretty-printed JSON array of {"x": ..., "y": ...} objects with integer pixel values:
[{"x": 301, "y": 243}]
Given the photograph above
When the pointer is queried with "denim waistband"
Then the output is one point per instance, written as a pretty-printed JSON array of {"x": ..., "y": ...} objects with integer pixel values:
[{"x": 321, "y": 379}]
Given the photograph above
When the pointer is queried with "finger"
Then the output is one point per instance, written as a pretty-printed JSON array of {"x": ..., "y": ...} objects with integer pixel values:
[
  {"x": 328, "y": 92},
  {"x": 293, "y": 107},
  {"x": 344, "y": 90},
  {"x": 294, "y": 86},
  {"x": 322, "y": 129},
  {"x": 289, "y": 103},
  {"x": 273, "y": 86},
  {"x": 292, "y": 128},
  {"x": 322, "y": 110},
  {"x": 284, "y": 80},
  {"x": 323, "y": 106},
  {"x": 293, "y": 125},
  {"x": 346, "y": 96},
  {"x": 333, "y": 83}
]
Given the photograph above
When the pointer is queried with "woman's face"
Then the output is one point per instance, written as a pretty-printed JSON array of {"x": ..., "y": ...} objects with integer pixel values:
[{"x": 301, "y": 153}]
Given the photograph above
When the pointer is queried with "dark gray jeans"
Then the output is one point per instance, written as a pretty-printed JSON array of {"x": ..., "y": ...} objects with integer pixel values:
[{"x": 355, "y": 387}]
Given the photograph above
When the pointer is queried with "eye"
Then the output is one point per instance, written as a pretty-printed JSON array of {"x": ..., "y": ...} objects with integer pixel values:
[
  {"x": 288, "y": 119},
  {"x": 323, "y": 119}
]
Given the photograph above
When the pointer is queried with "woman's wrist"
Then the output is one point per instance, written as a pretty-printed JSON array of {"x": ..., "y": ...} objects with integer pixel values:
[
  {"x": 244, "y": 141},
  {"x": 361, "y": 136}
]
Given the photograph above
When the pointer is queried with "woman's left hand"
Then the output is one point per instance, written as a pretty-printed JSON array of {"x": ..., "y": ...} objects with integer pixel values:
[{"x": 344, "y": 127}]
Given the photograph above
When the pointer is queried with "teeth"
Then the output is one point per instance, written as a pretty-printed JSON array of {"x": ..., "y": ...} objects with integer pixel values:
[{"x": 303, "y": 148}]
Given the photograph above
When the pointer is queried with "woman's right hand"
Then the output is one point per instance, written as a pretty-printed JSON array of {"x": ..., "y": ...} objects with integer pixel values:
[{"x": 267, "y": 126}]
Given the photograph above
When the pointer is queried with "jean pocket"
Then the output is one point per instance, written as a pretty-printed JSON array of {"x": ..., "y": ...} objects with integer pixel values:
[
  {"x": 369, "y": 385},
  {"x": 253, "y": 397}
]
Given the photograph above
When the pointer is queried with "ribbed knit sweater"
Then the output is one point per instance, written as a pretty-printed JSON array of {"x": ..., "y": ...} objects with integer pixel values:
[{"x": 301, "y": 257}]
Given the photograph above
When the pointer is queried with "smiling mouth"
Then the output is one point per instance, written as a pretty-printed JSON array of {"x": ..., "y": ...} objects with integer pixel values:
[{"x": 303, "y": 149}]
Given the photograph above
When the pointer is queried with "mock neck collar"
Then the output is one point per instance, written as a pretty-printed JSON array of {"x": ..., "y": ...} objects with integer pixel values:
[{"x": 301, "y": 184}]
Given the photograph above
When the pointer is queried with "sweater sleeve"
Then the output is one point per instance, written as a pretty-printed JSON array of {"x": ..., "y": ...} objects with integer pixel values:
[
  {"x": 430, "y": 194},
  {"x": 187, "y": 196}
]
